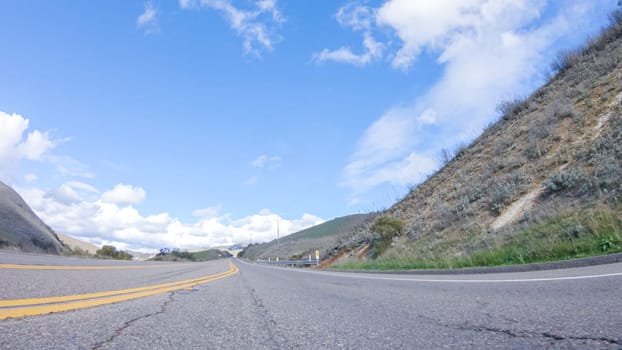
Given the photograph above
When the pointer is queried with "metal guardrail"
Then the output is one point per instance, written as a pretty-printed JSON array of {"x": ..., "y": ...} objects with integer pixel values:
[{"x": 289, "y": 262}]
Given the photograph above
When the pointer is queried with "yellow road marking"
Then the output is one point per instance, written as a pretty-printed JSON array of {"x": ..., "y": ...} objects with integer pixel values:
[
  {"x": 67, "y": 298},
  {"x": 74, "y": 302},
  {"x": 67, "y": 267}
]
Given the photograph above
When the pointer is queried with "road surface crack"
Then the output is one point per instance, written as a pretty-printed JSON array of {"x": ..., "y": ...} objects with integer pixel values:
[
  {"x": 522, "y": 333},
  {"x": 127, "y": 324},
  {"x": 599, "y": 339},
  {"x": 268, "y": 323},
  {"x": 531, "y": 334}
]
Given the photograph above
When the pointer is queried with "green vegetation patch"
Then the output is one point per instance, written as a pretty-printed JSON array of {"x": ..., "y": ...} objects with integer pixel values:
[
  {"x": 210, "y": 254},
  {"x": 111, "y": 252},
  {"x": 328, "y": 228},
  {"x": 589, "y": 233},
  {"x": 386, "y": 228}
]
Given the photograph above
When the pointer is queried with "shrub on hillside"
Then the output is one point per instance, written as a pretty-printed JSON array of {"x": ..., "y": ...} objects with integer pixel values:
[
  {"x": 560, "y": 109},
  {"x": 443, "y": 216},
  {"x": 564, "y": 60},
  {"x": 510, "y": 109},
  {"x": 75, "y": 251},
  {"x": 564, "y": 180},
  {"x": 500, "y": 195},
  {"x": 536, "y": 139},
  {"x": 386, "y": 228}
]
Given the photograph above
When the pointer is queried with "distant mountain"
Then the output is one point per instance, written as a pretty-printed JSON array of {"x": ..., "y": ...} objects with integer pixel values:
[
  {"x": 20, "y": 227},
  {"x": 210, "y": 254},
  {"x": 303, "y": 243},
  {"x": 76, "y": 244}
]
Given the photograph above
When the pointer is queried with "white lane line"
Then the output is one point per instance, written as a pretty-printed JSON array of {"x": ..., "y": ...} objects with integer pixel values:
[
  {"x": 516, "y": 280},
  {"x": 384, "y": 278}
]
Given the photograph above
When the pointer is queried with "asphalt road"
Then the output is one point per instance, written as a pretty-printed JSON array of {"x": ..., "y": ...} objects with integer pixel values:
[{"x": 279, "y": 308}]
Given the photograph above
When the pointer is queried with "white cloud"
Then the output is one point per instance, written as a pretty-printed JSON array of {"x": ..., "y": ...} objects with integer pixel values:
[
  {"x": 148, "y": 20},
  {"x": 72, "y": 209},
  {"x": 121, "y": 194},
  {"x": 265, "y": 160},
  {"x": 355, "y": 16},
  {"x": 82, "y": 187},
  {"x": 385, "y": 153},
  {"x": 269, "y": 6},
  {"x": 69, "y": 166},
  {"x": 358, "y": 18},
  {"x": 257, "y": 26},
  {"x": 429, "y": 116},
  {"x": 490, "y": 50},
  {"x": 373, "y": 51},
  {"x": 388, "y": 137},
  {"x": 13, "y": 146},
  {"x": 430, "y": 24},
  {"x": 73, "y": 192},
  {"x": 35, "y": 145},
  {"x": 30, "y": 178},
  {"x": 210, "y": 212}
]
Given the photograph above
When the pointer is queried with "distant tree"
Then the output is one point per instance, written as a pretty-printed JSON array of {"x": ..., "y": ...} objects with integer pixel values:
[
  {"x": 107, "y": 250},
  {"x": 182, "y": 255},
  {"x": 111, "y": 252}
]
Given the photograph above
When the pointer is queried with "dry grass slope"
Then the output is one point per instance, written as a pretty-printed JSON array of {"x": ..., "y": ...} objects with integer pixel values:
[{"x": 547, "y": 175}]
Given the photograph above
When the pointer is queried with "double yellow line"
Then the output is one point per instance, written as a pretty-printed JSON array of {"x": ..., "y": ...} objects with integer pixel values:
[
  {"x": 94, "y": 267},
  {"x": 40, "y": 306}
]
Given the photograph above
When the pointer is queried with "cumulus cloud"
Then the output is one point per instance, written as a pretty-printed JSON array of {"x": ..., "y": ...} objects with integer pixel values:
[
  {"x": 13, "y": 145},
  {"x": 72, "y": 192},
  {"x": 75, "y": 209},
  {"x": 210, "y": 212},
  {"x": 124, "y": 194},
  {"x": 490, "y": 50},
  {"x": 257, "y": 25},
  {"x": 148, "y": 20},
  {"x": 422, "y": 24}
]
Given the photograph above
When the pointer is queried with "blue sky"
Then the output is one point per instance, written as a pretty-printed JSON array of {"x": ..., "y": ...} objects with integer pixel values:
[{"x": 191, "y": 123}]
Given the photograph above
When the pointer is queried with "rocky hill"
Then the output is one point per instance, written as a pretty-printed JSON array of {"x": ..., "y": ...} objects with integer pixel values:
[
  {"x": 20, "y": 227},
  {"x": 543, "y": 182}
]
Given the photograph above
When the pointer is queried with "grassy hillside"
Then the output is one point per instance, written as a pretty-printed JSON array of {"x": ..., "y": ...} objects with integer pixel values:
[
  {"x": 300, "y": 244},
  {"x": 202, "y": 255},
  {"x": 210, "y": 254},
  {"x": 542, "y": 183}
]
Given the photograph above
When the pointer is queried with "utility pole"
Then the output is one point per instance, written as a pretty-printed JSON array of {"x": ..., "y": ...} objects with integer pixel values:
[{"x": 277, "y": 232}]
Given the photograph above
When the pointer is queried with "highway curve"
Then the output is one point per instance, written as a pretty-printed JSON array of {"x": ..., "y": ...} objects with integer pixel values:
[{"x": 262, "y": 307}]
